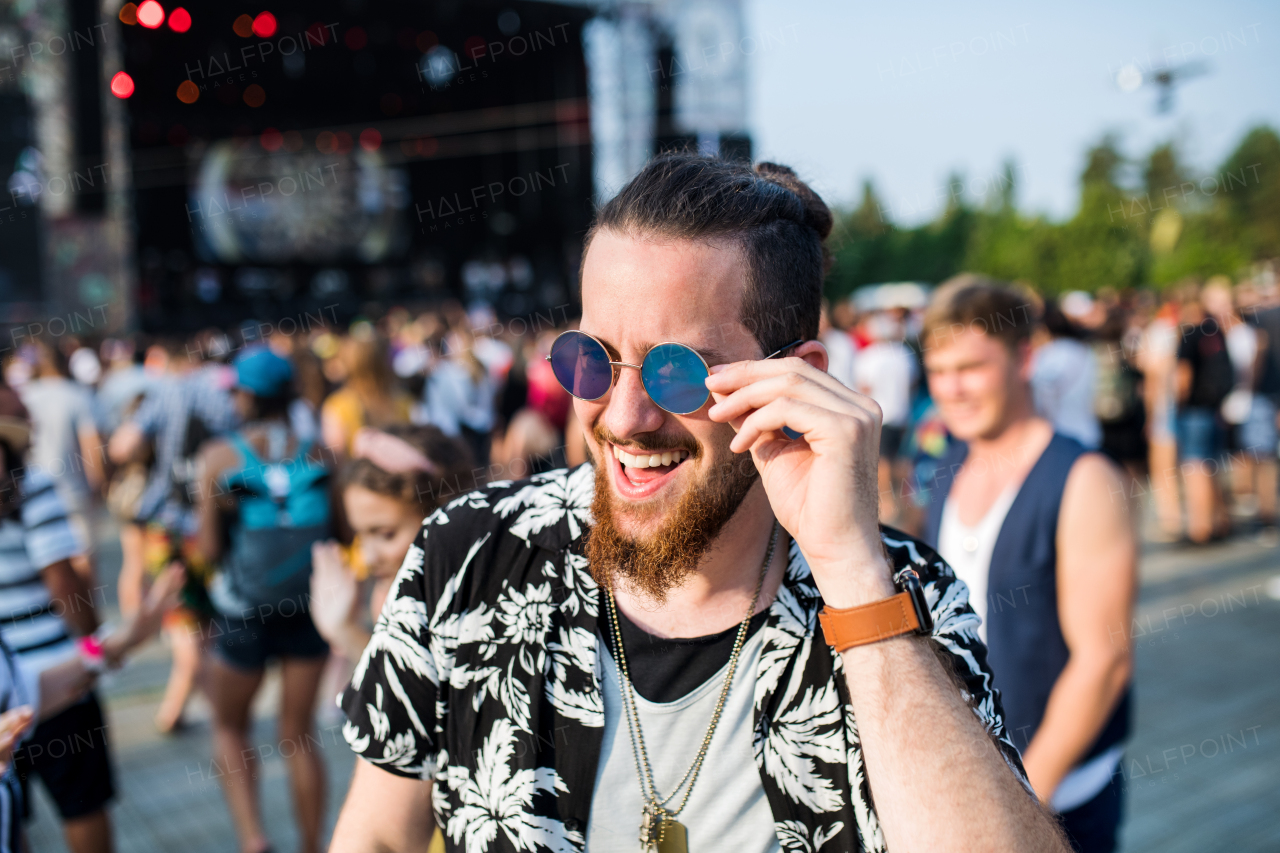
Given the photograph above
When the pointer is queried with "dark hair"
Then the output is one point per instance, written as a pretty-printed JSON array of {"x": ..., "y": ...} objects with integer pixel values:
[
  {"x": 428, "y": 491},
  {"x": 777, "y": 220},
  {"x": 1058, "y": 323},
  {"x": 971, "y": 302}
]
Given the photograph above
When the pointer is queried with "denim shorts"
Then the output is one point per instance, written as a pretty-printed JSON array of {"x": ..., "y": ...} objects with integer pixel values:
[
  {"x": 1200, "y": 435},
  {"x": 248, "y": 643},
  {"x": 1258, "y": 434}
]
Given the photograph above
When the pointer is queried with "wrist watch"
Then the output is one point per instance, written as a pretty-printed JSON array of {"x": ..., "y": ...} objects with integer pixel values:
[{"x": 904, "y": 613}]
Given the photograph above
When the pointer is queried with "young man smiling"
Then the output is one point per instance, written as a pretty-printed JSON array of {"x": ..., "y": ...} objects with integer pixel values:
[
  {"x": 630, "y": 654},
  {"x": 1039, "y": 530}
]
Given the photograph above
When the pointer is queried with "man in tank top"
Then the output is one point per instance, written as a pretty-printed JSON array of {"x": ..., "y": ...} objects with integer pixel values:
[{"x": 1039, "y": 529}]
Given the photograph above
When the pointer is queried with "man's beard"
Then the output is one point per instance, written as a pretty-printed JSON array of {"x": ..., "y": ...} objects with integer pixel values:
[{"x": 657, "y": 563}]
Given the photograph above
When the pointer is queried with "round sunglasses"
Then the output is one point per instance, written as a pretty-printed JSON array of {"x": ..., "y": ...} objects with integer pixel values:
[{"x": 674, "y": 375}]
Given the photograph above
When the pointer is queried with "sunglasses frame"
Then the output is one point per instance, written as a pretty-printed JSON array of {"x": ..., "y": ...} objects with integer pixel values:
[{"x": 613, "y": 378}]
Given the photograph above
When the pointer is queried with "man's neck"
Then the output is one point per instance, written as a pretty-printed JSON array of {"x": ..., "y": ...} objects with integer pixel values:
[
  {"x": 1014, "y": 447},
  {"x": 715, "y": 596}
]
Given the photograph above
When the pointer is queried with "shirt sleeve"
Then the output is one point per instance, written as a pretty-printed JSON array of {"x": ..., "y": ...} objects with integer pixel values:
[
  {"x": 213, "y": 405},
  {"x": 48, "y": 536},
  {"x": 393, "y": 703},
  {"x": 147, "y": 417}
]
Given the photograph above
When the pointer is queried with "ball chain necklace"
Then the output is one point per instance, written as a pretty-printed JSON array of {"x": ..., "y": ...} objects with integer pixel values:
[{"x": 659, "y": 829}]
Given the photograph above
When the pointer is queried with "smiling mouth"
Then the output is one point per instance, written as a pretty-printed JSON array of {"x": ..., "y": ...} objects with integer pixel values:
[{"x": 641, "y": 468}]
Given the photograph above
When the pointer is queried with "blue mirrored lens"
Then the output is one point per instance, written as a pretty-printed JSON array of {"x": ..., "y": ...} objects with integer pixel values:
[
  {"x": 675, "y": 378},
  {"x": 581, "y": 365}
]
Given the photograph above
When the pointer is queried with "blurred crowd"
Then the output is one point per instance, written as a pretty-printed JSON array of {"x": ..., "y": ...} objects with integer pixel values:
[
  {"x": 1179, "y": 387},
  {"x": 225, "y": 452}
]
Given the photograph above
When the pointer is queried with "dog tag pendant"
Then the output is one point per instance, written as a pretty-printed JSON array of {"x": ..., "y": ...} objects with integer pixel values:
[
  {"x": 674, "y": 837},
  {"x": 650, "y": 828}
]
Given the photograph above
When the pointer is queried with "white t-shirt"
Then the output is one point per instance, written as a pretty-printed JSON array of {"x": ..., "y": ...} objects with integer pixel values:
[
  {"x": 1242, "y": 348},
  {"x": 60, "y": 410},
  {"x": 884, "y": 372},
  {"x": 840, "y": 355},
  {"x": 454, "y": 399},
  {"x": 1063, "y": 379},
  {"x": 727, "y": 809},
  {"x": 969, "y": 548}
]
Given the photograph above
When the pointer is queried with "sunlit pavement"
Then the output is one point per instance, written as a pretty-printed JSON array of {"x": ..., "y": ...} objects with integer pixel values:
[{"x": 1199, "y": 771}]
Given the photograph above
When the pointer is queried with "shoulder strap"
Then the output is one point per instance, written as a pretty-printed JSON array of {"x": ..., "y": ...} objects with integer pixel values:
[{"x": 245, "y": 449}]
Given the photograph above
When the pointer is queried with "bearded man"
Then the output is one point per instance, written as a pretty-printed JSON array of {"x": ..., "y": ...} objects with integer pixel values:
[{"x": 700, "y": 640}]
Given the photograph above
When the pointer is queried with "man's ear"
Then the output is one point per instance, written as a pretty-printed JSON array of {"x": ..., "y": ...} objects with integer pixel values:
[
  {"x": 814, "y": 353},
  {"x": 1024, "y": 360}
]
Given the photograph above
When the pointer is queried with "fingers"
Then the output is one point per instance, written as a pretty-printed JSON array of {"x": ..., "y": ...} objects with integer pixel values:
[
  {"x": 727, "y": 378},
  {"x": 794, "y": 385},
  {"x": 818, "y": 424}
]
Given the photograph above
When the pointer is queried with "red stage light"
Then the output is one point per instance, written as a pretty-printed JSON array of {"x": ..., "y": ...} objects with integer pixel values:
[
  {"x": 150, "y": 14},
  {"x": 243, "y": 26},
  {"x": 370, "y": 139},
  {"x": 129, "y": 13},
  {"x": 355, "y": 38},
  {"x": 264, "y": 26},
  {"x": 121, "y": 85},
  {"x": 179, "y": 20},
  {"x": 188, "y": 92},
  {"x": 271, "y": 139}
]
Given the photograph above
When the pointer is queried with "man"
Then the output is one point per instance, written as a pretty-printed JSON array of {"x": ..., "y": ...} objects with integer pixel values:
[
  {"x": 176, "y": 415},
  {"x": 66, "y": 444},
  {"x": 1039, "y": 530},
  {"x": 885, "y": 371},
  {"x": 505, "y": 668},
  {"x": 43, "y": 603}
]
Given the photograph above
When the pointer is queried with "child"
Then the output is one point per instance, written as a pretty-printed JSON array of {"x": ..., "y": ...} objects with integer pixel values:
[{"x": 394, "y": 480}]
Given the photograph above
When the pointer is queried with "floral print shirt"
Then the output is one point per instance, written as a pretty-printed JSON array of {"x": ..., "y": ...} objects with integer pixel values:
[{"x": 483, "y": 676}]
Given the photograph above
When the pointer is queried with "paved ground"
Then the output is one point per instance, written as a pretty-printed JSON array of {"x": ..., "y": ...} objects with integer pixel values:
[{"x": 1202, "y": 771}]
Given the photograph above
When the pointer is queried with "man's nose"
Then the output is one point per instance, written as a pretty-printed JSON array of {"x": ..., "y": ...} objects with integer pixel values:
[{"x": 630, "y": 411}]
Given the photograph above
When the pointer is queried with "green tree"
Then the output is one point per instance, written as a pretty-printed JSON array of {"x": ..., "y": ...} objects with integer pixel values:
[{"x": 1250, "y": 189}]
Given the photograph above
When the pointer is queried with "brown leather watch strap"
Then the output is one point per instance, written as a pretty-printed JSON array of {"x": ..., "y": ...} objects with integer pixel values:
[{"x": 869, "y": 623}]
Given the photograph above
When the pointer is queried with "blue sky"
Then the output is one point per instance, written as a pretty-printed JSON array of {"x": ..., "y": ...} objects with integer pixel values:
[{"x": 906, "y": 93}]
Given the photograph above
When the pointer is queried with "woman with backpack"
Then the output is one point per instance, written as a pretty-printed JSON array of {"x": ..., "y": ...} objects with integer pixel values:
[{"x": 263, "y": 500}]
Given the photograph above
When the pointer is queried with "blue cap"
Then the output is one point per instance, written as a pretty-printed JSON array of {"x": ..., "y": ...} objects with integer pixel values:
[{"x": 262, "y": 372}]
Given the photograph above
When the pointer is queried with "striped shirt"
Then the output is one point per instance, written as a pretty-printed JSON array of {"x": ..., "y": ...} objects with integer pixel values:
[
  {"x": 29, "y": 623},
  {"x": 164, "y": 416},
  {"x": 18, "y": 687}
]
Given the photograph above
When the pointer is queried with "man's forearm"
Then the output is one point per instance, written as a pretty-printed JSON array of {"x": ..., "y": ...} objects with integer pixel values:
[
  {"x": 1081, "y": 702},
  {"x": 939, "y": 782},
  {"x": 70, "y": 597}
]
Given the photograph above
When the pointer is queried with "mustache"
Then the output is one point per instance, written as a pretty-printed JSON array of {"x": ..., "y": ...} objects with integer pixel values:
[{"x": 649, "y": 441}]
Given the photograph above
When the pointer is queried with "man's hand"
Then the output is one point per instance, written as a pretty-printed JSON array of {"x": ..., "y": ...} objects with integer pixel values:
[{"x": 822, "y": 487}]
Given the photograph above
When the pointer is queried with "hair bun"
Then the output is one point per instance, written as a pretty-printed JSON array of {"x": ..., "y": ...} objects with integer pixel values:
[{"x": 816, "y": 213}]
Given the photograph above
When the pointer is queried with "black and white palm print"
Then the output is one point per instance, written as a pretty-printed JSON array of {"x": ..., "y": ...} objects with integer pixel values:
[{"x": 483, "y": 676}]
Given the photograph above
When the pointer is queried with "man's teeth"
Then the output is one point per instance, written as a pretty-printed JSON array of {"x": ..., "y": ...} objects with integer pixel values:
[{"x": 648, "y": 460}]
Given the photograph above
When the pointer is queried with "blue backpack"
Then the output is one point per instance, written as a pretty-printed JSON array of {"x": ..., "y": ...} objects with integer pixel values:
[{"x": 283, "y": 509}]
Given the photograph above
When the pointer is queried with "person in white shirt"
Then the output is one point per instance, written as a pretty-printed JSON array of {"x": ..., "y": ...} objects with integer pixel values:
[{"x": 885, "y": 371}]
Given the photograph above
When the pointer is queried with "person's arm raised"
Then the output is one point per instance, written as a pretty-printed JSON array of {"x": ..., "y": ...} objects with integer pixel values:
[
  {"x": 384, "y": 813},
  {"x": 939, "y": 782}
]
